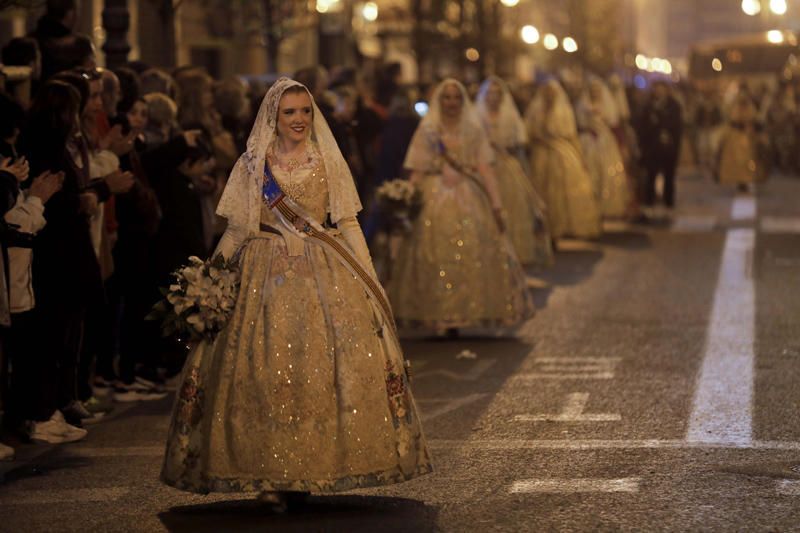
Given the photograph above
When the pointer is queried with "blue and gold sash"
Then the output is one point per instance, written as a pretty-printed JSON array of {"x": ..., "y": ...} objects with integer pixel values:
[{"x": 294, "y": 218}]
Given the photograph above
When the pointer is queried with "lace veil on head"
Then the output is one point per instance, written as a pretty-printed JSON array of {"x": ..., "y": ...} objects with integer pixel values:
[
  {"x": 557, "y": 119},
  {"x": 469, "y": 123},
  {"x": 241, "y": 200},
  {"x": 512, "y": 129}
]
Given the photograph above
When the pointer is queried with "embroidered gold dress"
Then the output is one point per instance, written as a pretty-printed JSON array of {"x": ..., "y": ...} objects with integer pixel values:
[
  {"x": 301, "y": 391},
  {"x": 526, "y": 219},
  {"x": 454, "y": 269},
  {"x": 605, "y": 163}
]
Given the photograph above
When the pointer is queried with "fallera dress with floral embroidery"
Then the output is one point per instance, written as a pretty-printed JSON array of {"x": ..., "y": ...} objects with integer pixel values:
[{"x": 301, "y": 391}]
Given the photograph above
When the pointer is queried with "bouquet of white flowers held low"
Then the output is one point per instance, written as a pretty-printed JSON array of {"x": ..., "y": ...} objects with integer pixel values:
[
  {"x": 200, "y": 301},
  {"x": 400, "y": 199}
]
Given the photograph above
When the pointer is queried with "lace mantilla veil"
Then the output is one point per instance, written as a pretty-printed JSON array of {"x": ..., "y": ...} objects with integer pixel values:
[
  {"x": 469, "y": 124},
  {"x": 559, "y": 119},
  {"x": 512, "y": 128},
  {"x": 241, "y": 200}
]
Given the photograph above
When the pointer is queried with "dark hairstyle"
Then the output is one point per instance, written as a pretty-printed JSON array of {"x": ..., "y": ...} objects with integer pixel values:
[
  {"x": 12, "y": 116},
  {"x": 58, "y": 9},
  {"x": 309, "y": 77},
  {"x": 52, "y": 117},
  {"x": 20, "y": 51},
  {"x": 130, "y": 88},
  {"x": 79, "y": 81}
]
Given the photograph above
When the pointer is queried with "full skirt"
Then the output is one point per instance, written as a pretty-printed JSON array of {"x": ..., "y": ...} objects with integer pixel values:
[
  {"x": 455, "y": 269},
  {"x": 525, "y": 213},
  {"x": 561, "y": 176},
  {"x": 302, "y": 391}
]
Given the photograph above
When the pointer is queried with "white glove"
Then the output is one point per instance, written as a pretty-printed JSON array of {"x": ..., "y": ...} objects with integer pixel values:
[
  {"x": 354, "y": 238},
  {"x": 230, "y": 242}
]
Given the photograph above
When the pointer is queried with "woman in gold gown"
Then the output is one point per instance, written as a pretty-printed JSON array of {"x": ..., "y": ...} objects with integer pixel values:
[
  {"x": 597, "y": 113},
  {"x": 524, "y": 209},
  {"x": 457, "y": 268},
  {"x": 559, "y": 169},
  {"x": 738, "y": 159},
  {"x": 305, "y": 389}
]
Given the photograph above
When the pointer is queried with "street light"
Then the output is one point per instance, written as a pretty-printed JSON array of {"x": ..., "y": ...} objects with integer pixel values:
[
  {"x": 641, "y": 62},
  {"x": 777, "y": 6},
  {"x": 775, "y": 36},
  {"x": 530, "y": 34},
  {"x": 323, "y": 6},
  {"x": 716, "y": 64},
  {"x": 509, "y": 3},
  {"x": 751, "y": 7},
  {"x": 370, "y": 11},
  {"x": 569, "y": 45},
  {"x": 550, "y": 41}
]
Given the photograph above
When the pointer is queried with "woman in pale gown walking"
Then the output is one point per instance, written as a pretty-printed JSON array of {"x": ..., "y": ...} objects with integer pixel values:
[
  {"x": 524, "y": 209},
  {"x": 597, "y": 114},
  {"x": 457, "y": 268},
  {"x": 305, "y": 389},
  {"x": 559, "y": 170}
]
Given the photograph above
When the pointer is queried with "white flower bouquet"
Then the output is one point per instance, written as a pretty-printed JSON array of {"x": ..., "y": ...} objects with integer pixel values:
[
  {"x": 200, "y": 301},
  {"x": 400, "y": 199}
]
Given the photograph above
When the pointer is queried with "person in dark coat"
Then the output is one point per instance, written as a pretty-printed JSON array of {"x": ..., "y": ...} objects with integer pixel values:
[
  {"x": 660, "y": 130},
  {"x": 62, "y": 48}
]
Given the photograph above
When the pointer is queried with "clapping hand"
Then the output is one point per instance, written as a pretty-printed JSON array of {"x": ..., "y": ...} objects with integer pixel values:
[
  {"x": 46, "y": 184},
  {"x": 117, "y": 142},
  {"x": 19, "y": 168},
  {"x": 119, "y": 181}
]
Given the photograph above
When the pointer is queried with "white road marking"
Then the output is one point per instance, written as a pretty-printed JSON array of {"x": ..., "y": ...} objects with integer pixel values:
[
  {"x": 53, "y": 496},
  {"x": 481, "y": 366},
  {"x": 630, "y": 484},
  {"x": 597, "y": 444},
  {"x": 743, "y": 208},
  {"x": 722, "y": 405},
  {"x": 571, "y": 368},
  {"x": 573, "y": 411},
  {"x": 780, "y": 224},
  {"x": 788, "y": 487},
  {"x": 450, "y": 404},
  {"x": 694, "y": 223}
]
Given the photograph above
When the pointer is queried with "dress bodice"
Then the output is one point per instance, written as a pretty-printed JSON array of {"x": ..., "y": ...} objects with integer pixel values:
[{"x": 305, "y": 182}]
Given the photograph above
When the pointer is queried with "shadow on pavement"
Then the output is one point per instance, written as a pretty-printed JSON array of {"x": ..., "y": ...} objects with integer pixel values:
[
  {"x": 319, "y": 513},
  {"x": 627, "y": 240},
  {"x": 571, "y": 268}
]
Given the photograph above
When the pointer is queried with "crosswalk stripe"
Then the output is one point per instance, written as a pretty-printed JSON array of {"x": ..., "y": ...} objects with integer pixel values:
[
  {"x": 722, "y": 404},
  {"x": 771, "y": 224},
  {"x": 575, "y": 485}
]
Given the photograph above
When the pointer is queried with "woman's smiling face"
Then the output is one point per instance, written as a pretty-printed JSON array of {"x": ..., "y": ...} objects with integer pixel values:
[{"x": 295, "y": 114}]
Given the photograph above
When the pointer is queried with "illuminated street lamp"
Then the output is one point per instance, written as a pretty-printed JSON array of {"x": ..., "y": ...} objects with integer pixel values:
[
  {"x": 775, "y": 36},
  {"x": 472, "y": 54},
  {"x": 751, "y": 7},
  {"x": 324, "y": 6},
  {"x": 529, "y": 34},
  {"x": 509, "y": 3},
  {"x": 716, "y": 64},
  {"x": 569, "y": 45},
  {"x": 641, "y": 62},
  {"x": 370, "y": 11},
  {"x": 777, "y": 6},
  {"x": 550, "y": 41}
]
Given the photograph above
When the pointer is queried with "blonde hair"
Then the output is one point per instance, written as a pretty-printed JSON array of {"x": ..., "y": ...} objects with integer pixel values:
[{"x": 161, "y": 109}]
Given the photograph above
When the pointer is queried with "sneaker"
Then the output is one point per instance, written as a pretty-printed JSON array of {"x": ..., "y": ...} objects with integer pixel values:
[
  {"x": 96, "y": 405},
  {"x": 102, "y": 386},
  {"x": 134, "y": 394},
  {"x": 6, "y": 452},
  {"x": 78, "y": 411},
  {"x": 145, "y": 384},
  {"x": 56, "y": 431}
]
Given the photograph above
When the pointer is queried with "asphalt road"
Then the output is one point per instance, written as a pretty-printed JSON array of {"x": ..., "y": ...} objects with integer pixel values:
[{"x": 657, "y": 389}]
